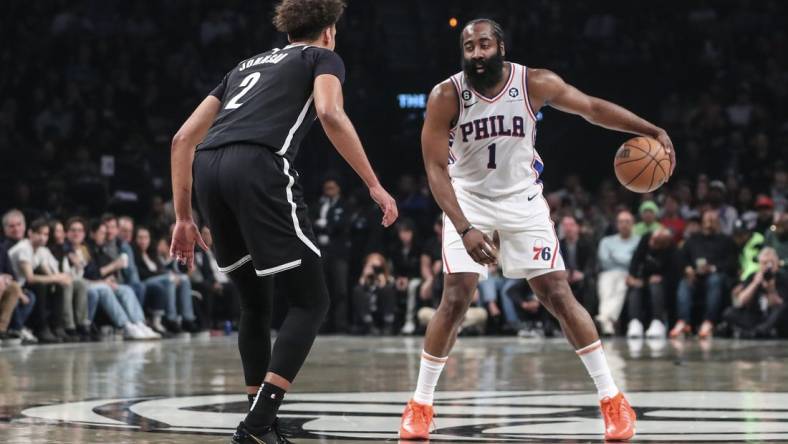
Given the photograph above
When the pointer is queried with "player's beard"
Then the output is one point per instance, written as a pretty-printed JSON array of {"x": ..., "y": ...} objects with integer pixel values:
[{"x": 493, "y": 71}]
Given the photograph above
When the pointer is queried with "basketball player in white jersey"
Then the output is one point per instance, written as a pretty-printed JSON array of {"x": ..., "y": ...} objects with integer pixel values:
[{"x": 483, "y": 169}]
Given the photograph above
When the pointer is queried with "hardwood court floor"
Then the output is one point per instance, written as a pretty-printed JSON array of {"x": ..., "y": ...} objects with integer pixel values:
[{"x": 352, "y": 391}]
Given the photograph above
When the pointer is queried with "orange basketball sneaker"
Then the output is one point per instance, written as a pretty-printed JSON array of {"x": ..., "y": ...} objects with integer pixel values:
[
  {"x": 416, "y": 421},
  {"x": 619, "y": 418}
]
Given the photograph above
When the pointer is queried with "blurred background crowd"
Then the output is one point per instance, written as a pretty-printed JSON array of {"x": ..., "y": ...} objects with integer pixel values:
[{"x": 84, "y": 166}]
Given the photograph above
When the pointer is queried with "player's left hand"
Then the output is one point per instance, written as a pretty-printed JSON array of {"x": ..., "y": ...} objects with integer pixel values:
[
  {"x": 664, "y": 139},
  {"x": 184, "y": 237}
]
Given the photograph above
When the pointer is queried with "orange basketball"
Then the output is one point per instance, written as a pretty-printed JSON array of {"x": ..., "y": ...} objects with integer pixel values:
[{"x": 642, "y": 164}]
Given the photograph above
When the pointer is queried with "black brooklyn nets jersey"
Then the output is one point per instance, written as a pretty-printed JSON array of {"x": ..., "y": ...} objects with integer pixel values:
[{"x": 267, "y": 99}]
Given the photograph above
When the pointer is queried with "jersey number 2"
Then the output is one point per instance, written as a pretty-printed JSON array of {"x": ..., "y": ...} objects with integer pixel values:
[
  {"x": 491, "y": 162},
  {"x": 247, "y": 83}
]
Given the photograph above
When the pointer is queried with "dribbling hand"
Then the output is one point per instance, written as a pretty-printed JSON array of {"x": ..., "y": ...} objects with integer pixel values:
[
  {"x": 184, "y": 236},
  {"x": 664, "y": 139},
  {"x": 386, "y": 203},
  {"x": 480, "y": 247}
]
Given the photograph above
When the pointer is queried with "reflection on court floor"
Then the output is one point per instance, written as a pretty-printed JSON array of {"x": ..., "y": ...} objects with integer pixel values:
[{"x": 354, "y": 389}]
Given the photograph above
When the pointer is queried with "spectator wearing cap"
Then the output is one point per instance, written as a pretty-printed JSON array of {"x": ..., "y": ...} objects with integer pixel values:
[
  {"x": 727, "y": 213},
  {"x": 709, "y": 260},
  {"x": 648, "y": 218},
  {"x": 764, "y": 207}
]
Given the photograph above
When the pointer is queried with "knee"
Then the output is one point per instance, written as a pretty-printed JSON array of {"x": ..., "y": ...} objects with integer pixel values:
[
  {"x": 455, "y": 302},
  {"x": 655, "y": 279},
  {"x": 561, "y": 300},
  {"x": 322, "y": 303}
]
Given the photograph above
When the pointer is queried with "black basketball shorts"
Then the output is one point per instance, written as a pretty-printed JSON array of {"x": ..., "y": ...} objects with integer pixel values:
[{"x": 250, "y": 199}]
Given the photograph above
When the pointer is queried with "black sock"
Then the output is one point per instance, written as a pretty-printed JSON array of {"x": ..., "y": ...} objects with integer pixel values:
[
  {"x": 265, "y": 409},
  {"x": 251, "y": 400}
]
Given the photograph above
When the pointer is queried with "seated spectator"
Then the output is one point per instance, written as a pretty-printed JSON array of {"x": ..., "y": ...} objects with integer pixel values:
[
  {"x": 13, "y": 228},
  {"x": 535, "y": 320},
  {"x": 431, "y": 262},
  {"x": 727, "y": 213},
  {"x": 126, "y": 229},
  {"x": 648, "y": 218},
  {"x": 332, "y": 229},
  {"x": 75, "y": 300},
  {"x": 709, "y": 259},
  {"x": 406, "y": 261},
  {"x": 777, "y": 238},
  {"x": 614, "y": 255},
  {"x": 651, "y": 269},
  {"x": 474, "y": 321},
  {"x": 578, "y": 254},
  {"x": 759, "y": 309},
  {"x": 32, "y": 262},
  {"x": 220, "y": 300},
  {"x": 375, "y": 297},
  {"x": 174, "y": 289},
  {"x": 115, "y": 248},
  {"x": 26, "y": 301},
  {"x": 102, "y": 269},
  {"x": 494, "y": 295},
  {"x": 10, "y": 294},
  {"x": 764, "y": 207},
  {"x": 749, "y": 242},
  {"x": 671, "y": 217},
  {"x": 100, "y": 294}
]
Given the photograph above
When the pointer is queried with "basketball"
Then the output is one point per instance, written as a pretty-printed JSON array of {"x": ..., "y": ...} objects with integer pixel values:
[{"x": 642, "y": 164}]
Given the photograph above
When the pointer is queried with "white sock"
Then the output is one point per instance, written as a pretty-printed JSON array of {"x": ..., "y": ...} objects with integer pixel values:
[
  {"x": 593, "y": 357},
  {"x": 429, "y": 372}
]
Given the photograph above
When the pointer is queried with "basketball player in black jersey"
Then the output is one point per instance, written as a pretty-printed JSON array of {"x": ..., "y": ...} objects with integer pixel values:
[{"x": 247, "y": 134}]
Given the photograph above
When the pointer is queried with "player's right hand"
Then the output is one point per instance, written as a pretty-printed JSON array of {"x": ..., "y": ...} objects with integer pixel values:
[
  {"x": 664, "y": 139},
  {"x": 386, "y": 203},
  {"x": 480, "y": 247},
  {"x": 184, "y": 236}
]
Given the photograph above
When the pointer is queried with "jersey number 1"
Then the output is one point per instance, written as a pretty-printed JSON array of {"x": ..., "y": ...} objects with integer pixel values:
[
  {"x": 491, "y": 162},
  {"x": 247, "y": 83}
]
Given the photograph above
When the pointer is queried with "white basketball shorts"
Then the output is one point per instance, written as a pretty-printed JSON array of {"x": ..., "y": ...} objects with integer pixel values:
[{"x": 529, "y": 244}]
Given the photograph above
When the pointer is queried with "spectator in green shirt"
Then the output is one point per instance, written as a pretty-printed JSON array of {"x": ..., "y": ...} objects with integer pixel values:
[{"x": 648, "y": 218}]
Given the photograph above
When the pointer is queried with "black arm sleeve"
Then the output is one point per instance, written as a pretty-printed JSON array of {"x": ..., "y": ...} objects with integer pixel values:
[
  {"x": 218, "y": 92},
  {"x": 329, "y": 62}
]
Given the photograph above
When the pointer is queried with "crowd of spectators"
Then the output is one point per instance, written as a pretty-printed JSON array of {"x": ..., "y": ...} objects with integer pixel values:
[{"x": 85, "y": 131}]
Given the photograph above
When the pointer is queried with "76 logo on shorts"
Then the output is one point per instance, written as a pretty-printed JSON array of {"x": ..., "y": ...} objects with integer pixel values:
[{"x": 542, "y": 252}]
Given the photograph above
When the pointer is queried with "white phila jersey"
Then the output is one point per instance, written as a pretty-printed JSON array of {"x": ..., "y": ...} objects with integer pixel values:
[{"x": 491, "y": 148}]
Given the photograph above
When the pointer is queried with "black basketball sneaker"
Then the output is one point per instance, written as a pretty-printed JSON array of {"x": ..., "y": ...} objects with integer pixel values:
[{"x": 271, "y": 435}]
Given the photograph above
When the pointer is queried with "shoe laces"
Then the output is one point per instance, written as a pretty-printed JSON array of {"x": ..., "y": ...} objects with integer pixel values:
[
  {"x": 613, "y": 410},
  {"x": 420, "y": 414}
]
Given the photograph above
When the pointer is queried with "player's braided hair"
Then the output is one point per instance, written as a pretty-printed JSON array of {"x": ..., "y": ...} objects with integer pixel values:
[
  {"x": 497, "y": 30},
  {"x": 305, "y": 19}
]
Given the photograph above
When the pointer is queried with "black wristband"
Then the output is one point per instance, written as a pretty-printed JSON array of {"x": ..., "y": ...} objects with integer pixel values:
[{"x": 465, "y": 231}]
